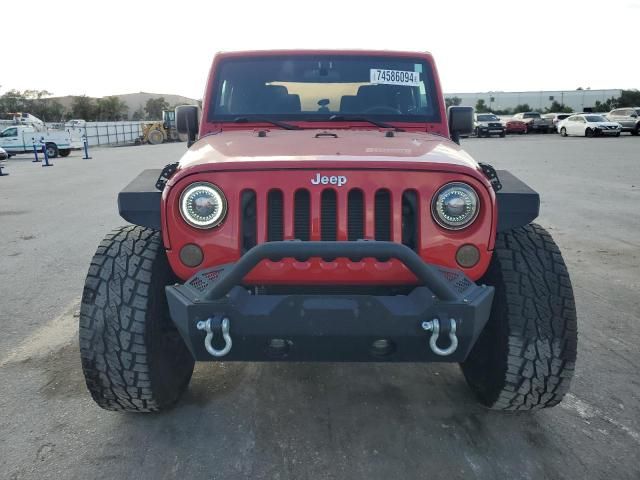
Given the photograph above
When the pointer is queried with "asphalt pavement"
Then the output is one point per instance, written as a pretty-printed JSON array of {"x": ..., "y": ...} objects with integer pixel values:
[{"x": 319, "y": 421}]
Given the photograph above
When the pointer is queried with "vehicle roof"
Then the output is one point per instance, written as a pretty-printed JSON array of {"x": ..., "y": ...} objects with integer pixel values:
[{"x": 385, "y": 53}]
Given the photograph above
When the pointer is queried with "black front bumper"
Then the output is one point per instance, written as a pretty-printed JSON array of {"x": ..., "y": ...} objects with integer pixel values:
[{"x": 327, "y": 327}]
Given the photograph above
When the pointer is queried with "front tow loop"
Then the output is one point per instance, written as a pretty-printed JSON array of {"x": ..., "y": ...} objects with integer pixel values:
[
  {"x": 434, "y": 327},
  {"x": 210, "y": 325}
]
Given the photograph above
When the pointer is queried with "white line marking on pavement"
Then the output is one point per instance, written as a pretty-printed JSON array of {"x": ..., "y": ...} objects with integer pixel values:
[
  {"x": 48, "y": 338},
  {"x": 587, "y": 411}
]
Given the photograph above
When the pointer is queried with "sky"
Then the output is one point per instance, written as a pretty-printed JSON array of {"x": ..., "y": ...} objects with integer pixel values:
[{"x": 112, "y": 47}]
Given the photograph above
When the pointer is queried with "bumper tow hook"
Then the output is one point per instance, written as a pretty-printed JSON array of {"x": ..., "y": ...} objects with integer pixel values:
[
  {"x": 434, "y": 327},
  {"x": 210, "y": 325}
]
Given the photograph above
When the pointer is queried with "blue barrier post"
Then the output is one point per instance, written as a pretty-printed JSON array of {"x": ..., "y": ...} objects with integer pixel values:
[
  {"x": 35, "y": 151},
  {"x": 86, "y": 148},
  {"x": 46, "y": 155}
]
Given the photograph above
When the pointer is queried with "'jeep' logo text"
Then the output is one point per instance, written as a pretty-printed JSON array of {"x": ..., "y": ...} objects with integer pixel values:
[{"x": 333, "y": 180}]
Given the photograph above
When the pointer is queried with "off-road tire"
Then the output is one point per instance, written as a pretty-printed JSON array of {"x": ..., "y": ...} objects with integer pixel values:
[
  {"x": 525, "y": 356},
  {"x": 133, "y": 357}
]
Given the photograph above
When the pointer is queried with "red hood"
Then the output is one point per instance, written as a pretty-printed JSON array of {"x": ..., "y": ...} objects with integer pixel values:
[{"x": 352, "y": 149}]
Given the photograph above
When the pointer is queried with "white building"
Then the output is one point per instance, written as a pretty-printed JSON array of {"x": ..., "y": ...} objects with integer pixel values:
[{"x": 578, "y": 100}]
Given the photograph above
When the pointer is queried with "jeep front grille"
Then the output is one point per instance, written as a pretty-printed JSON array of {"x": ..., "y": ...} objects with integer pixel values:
[
  {"x": 355, "y": 215},
  {"x": 302, "y": 215},
  {"x": 357, "y": 207},
  {"x": 328, "y": 216}
]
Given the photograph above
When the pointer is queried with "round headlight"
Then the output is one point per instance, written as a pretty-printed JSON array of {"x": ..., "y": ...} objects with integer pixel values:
[
  {"x": 203, "y": 205},
  {"x": 455, "y": 206}
]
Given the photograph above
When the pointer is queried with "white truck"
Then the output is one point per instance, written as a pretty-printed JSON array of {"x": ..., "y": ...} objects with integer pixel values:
[{"x": 20, "y": 138}]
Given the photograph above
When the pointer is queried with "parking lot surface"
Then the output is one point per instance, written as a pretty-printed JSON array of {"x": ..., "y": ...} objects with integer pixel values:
[{"x": 319, "y": 421}]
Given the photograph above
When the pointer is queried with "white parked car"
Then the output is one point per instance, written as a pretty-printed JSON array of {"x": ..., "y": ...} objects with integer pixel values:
[
  {"x": 3, "y": 154},
  {"x": 588, "y": 125}
]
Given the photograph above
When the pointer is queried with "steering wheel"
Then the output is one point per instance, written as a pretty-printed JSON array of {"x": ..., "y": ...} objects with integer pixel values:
[{"x": 382, "y": 109}]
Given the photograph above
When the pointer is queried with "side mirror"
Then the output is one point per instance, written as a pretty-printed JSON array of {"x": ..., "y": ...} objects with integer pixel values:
[
  {"x": 188, "y": 122},
  {"x": 634, "y": 115},
  {"x": 460, "y": 122}
]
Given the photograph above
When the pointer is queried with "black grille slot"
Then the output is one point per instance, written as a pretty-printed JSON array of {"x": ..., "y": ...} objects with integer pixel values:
[
  {"x": 410, "y": 219},
  {"x": 275, "y": 216},
  {"x": 328, "y": 216},
  {"x": 302, "y": 215},
  {"x": 248, "y": 225},
  {"x": 355, "y": 215},
  {"x": 383, "y": 215}
]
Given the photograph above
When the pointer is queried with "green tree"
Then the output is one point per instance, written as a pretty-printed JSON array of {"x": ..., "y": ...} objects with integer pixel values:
[
  {"x": 154, "y": 108},
  {"x": 629, "y": 98},
  {"x": 523, "y": 107},
  {"x": 481, "y": 106},
  {"x": 35, "y": 102},
  {"x": 83, "y": 107},
  {"x": 452, "y": 101},
  {"x": 138, "y": 114},
  {"x": 111, "y": 109},
  {"x": 557, "y": 107},
  {"x": 11, "y": 102}
]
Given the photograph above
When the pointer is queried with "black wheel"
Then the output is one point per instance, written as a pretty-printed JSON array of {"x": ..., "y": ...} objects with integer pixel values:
[
  {"x": 636, "y": 131},
  {"x": 617, "y": 134},
  {"x": 525, "y": 356},
  {"x": 563, "y": 132},
  {"x": 133, "y": 357},
  {"x": 52, "y": 150},
  {"x": 478, "y": 134},
  {"x": 64, "y": 152},
  {"x": 588, "y": 133},
  {"x": 503, "y": 134}
]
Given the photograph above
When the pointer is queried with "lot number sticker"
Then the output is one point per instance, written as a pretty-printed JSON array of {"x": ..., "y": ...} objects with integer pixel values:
[{"x": 395, "y": 77}]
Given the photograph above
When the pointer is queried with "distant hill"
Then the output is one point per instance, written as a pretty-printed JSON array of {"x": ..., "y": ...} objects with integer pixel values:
[{"x": 136, "y": 100}]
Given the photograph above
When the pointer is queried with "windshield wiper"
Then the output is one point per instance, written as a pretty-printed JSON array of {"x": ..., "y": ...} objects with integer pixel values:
[
  {"x": 286, "y": 126},
  {"x": 349, "y": 118}
]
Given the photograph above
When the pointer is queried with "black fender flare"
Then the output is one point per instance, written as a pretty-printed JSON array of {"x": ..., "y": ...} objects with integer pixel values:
[{"x": 518, "y": 203}]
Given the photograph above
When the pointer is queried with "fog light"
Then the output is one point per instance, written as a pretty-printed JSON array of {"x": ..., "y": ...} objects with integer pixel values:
[
  {"x": 191, "y": 255},
  {"x": 468, "y": 256}
]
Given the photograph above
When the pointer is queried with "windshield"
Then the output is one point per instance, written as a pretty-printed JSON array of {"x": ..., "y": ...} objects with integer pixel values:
[
  {"x": 315, "y": 87},
  {"x": 532, "y": 115},
  {"x": 487, "y": 118},
  {"x": 595, "y": 118}
]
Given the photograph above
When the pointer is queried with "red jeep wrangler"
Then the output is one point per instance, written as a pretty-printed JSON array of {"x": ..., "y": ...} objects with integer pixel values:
[{"x": 325, "y": 212}]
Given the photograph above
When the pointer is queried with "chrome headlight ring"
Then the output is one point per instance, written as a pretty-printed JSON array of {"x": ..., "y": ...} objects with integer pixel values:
[
  {"x": 203, "y": 205},
  {"x": 455, "y": 206}
]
